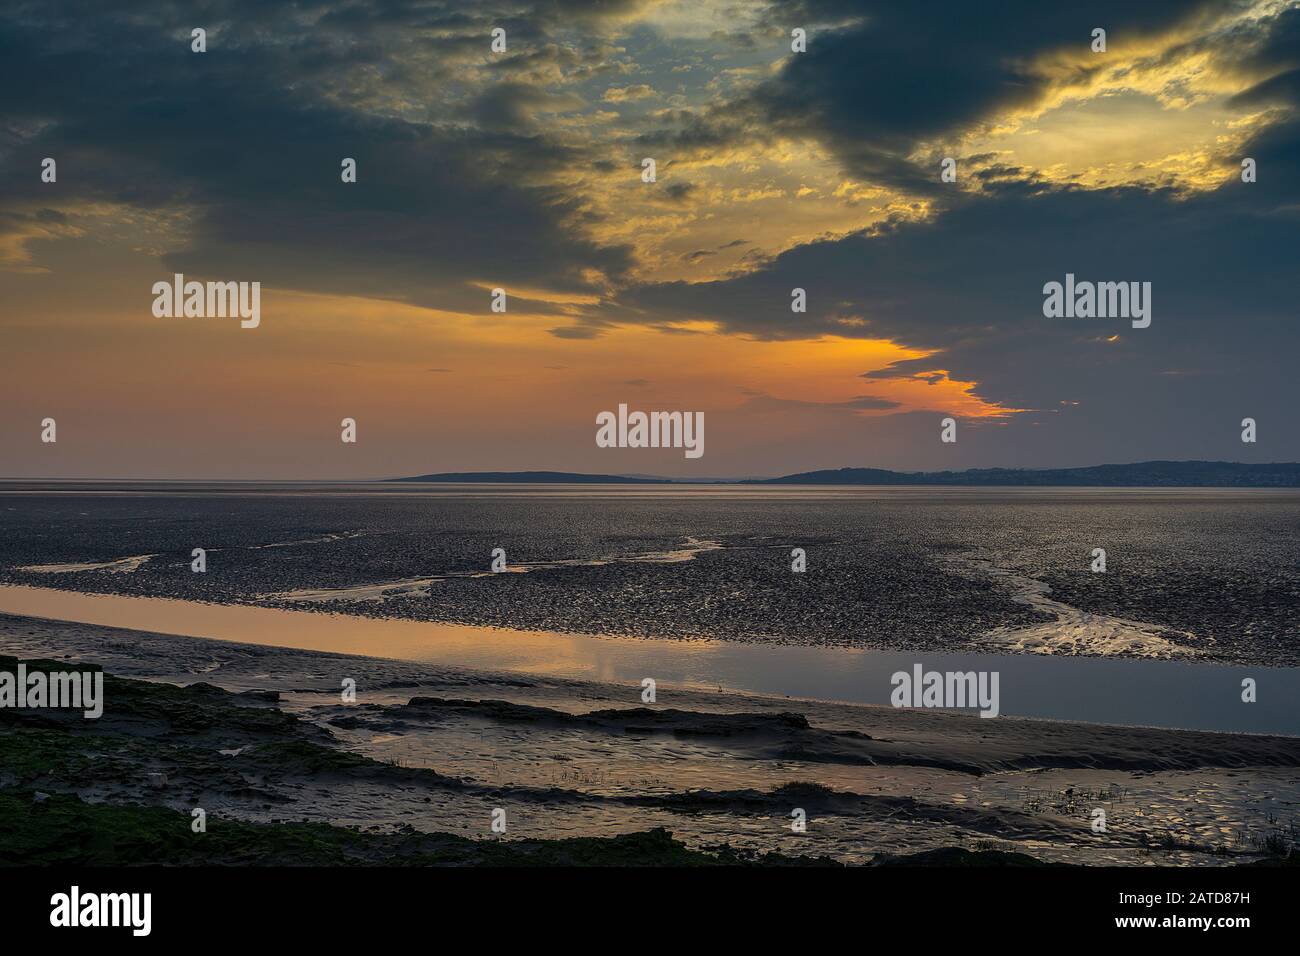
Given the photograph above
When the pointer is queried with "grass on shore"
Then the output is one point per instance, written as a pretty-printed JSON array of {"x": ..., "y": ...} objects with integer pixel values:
[{"x": 63, "y": 830}]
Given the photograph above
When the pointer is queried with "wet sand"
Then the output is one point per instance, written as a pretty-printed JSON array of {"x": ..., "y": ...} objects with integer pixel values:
[
  {"x": 1119, "y": 688},
  {"x": 589, "y": 758},
  {"x": 1198, "y": 574}
]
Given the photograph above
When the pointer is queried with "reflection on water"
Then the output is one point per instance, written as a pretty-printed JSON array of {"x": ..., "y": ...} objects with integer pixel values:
[{"x": 1155, "y": 693}]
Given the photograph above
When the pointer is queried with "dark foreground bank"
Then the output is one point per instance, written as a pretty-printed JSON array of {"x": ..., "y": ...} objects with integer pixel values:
[{"x": 256, "y": 760}]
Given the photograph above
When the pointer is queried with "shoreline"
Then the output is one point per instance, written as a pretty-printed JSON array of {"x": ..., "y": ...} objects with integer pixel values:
[{"x": 588, "y": 759}]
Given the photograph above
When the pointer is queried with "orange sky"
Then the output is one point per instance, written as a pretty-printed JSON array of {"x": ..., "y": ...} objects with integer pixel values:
[
  {"x": 457, "y": 388},
  {"x": 430, "y": 391}
]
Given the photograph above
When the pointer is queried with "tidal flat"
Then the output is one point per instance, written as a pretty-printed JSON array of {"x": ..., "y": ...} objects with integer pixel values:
[
  {"x": 415, "y": 768},
  {"x": 519, "y": 690},
  {"x": 1191, "y": 573}
]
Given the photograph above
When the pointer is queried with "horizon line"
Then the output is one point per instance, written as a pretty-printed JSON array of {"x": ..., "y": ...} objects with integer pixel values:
[{"x": 644, "y": 478}]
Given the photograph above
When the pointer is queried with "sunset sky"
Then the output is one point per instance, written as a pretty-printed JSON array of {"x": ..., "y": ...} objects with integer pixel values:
[{"x": 775, "y": 170}]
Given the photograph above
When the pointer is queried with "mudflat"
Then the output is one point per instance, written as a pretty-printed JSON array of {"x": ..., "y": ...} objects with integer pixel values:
[{"x": 423, "y": 757}]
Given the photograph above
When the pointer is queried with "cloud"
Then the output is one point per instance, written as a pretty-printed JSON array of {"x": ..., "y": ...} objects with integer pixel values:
[
  {"x": 869, "y": 88},
  {"x": 627, "y": 94},
  {"x": 966, "y": 282},
  {"x": 476, "y": 172},
  {"x": 577, "y": 332},
  {"x": 515, "y": 107},
  {"x": 438, "y": 207}
]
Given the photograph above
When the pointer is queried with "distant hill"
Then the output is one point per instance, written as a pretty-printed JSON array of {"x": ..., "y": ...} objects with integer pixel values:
[
  {"x": 535, "y": 477},
  {"x": 1142, "y": 474}
]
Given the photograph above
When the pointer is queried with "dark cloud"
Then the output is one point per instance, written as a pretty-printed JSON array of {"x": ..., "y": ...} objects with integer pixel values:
[
  {"x": 678, "y": 192},
  {"x": 968, "y": 285},
  {"x": 249, "y": 138},
  {"x": 1277, "y": 60},
  {"x": 879, "y": 78},
  {"x": 512, "y": 107},
  {"x": 577, "y": 332},
  {"x": 861, "y": 403}
]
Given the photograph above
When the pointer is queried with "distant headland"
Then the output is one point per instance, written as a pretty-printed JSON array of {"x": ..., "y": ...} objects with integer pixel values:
[{"x": 1142, "y": 474}]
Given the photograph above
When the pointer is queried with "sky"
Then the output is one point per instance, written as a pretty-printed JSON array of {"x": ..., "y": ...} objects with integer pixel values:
[{"x": 523, "y": 170}]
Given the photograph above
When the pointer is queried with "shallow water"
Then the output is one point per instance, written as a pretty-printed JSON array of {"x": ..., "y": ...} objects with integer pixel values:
[
  {"x": 1098, "y": 690},
  {"x": 716, "y": 768},
  {"x": 694, "y": 584},
  {"x": 1209, "y": 574}
]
